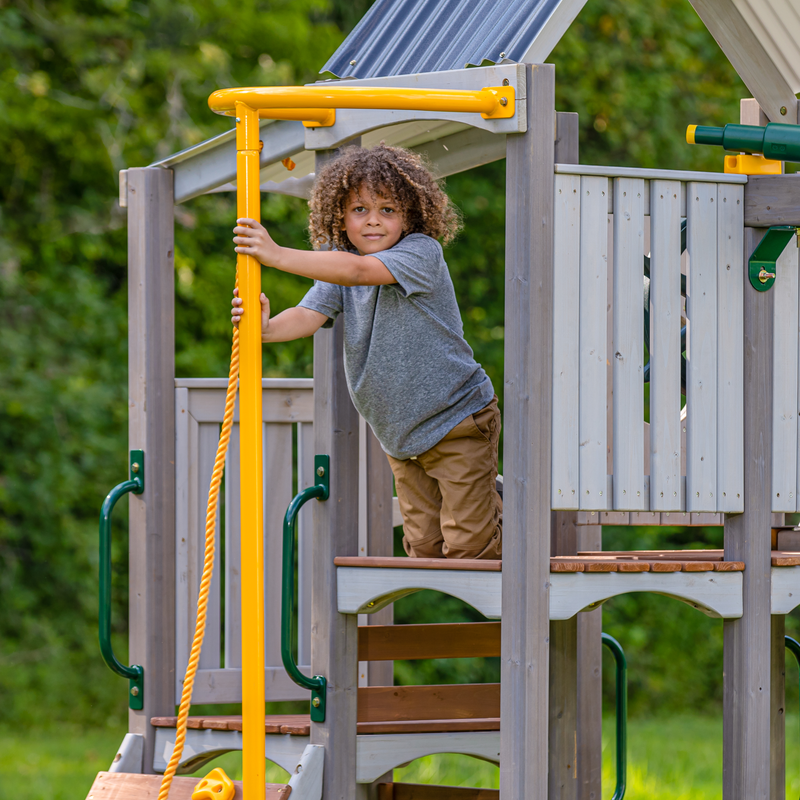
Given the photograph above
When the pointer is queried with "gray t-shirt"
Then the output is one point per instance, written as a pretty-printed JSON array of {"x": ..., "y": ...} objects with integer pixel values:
[{"x": 410, "y": 371}]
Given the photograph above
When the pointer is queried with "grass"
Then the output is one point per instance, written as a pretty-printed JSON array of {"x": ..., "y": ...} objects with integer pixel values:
[{"x": 672, "y": 758}]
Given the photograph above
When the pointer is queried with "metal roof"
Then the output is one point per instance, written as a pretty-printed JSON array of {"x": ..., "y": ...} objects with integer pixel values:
[{"x": 404, "y": 37}]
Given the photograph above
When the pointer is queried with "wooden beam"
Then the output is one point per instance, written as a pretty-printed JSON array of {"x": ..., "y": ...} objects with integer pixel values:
[
  {"x": 127, "y": 786},
  {"x": 777, "y": 716},
  {"x": 151, "y": 427},
  {"x": 411, "y": 791},
  {"x": 334, "y": 645},
  {"x": 527, "y": 443},
  {"x": 746, "y": 682},
  {"x": 449, "y": 701},
  {"x": 450, "y": 640},
  {"x": 772, "y": 200},
  {"x": 748, "y": 57}
]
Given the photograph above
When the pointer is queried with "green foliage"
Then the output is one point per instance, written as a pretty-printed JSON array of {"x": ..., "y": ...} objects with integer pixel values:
[{"x": 92, "y": 86}]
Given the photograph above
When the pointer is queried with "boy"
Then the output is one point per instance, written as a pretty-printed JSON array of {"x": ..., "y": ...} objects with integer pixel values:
[{"x": 410, "y": 372}]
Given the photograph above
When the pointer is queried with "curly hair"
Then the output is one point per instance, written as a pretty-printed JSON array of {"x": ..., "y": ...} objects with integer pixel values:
[{"x": 381, "y": 170}]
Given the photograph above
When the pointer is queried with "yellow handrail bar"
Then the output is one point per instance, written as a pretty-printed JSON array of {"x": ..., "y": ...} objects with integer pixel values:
[{"x": 317, "y": 104}]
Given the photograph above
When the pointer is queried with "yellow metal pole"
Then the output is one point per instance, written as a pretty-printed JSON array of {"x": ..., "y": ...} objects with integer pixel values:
[{"x": 248, "y": 204}]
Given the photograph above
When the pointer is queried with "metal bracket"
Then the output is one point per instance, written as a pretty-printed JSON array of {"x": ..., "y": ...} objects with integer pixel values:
[{"x": 761, "y": 267}]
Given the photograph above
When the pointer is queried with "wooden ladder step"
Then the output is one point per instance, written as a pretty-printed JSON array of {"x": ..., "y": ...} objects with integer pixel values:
[
  {"x": 412, "y": 791},
  {"x": 127, "y": 786}
]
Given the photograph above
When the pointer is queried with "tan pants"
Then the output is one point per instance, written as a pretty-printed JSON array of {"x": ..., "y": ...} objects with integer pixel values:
[{"x": 448, "y": 496}]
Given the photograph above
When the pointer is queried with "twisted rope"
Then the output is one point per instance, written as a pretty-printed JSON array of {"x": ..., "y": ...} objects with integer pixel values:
[{"x": 208, "y": 569}]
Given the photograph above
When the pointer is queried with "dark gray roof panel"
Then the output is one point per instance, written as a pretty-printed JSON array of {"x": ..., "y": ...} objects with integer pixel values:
[{"x": 404, "y": 37}]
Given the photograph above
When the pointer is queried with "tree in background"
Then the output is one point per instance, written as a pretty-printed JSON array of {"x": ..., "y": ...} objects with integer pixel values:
[{"x": 91, "y": 87}]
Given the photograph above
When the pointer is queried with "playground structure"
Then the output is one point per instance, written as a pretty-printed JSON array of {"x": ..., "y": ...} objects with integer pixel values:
[{"x": 577, "y": 454}]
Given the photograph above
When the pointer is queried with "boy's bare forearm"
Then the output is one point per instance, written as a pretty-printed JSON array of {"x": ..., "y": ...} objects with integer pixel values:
[
  {"x": 331, "y": 266},
  {"x": 293, "y": 323}
]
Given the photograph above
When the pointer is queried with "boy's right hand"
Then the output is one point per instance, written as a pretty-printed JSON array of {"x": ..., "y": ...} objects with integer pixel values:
[{"x": 237, "y": 311}]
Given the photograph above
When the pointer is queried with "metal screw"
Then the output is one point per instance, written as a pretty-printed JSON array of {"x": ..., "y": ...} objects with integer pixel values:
[
  {"x": 502, "y": 55},
  {"x": 505, "y": 81},
  {"x": 353, "y": 63},
  {"x": 783, "y": 111},
  {"x": 135, "y": 467},
  {"x": 320, "y": 471},
  {"x": 238, "y": 120},
  {"x": 316, "y": 702},
  {"x": 135, "y": 691},
  {"x": 503, "y": 101}
]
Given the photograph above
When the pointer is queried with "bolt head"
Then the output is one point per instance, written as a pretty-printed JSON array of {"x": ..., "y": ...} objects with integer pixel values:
[
  {"x": 353, "y": 63},
  {"x": 320, "y": 471},
  {"x": 135, "y": 467},
  {"x": 503, "y": 101},
  {"x": 502, "y": 55},
  {"x": 238, "y": 120},
  {"x": 135, "y": 691},
  {"x": 783, "y": 111},
  {"x": 316, "y": 702}
]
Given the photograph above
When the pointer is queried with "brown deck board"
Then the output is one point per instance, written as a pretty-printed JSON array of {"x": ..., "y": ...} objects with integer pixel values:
[
  {"x": 444, "y": 640},
  {"x": 782, "y": 558},
  {"x": 127, "y": 786},
  {"x": 412, "y": 791},
  {"x": 403, "y": 562}
]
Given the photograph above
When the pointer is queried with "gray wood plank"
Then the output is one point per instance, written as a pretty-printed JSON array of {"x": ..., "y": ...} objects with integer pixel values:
[
  {"x": 701, "y": 348},
  {"x": 566, "y": 319},
  {"x": 593, "y": 357},
  {"x": 334, "y": 647},
  {"x": 590, "y": 695},
  {"x": 233, "y": 556},
  {"x": 277, "y": 405},
  {"x": 777, "y": 715},
  {"x": 277, "y": 496},
  {"x": 151, "y": 427},
  {"x": 784, "y": 398},
  {"x": 772, "y": 200},
  {"x": 628, "y": 354},
  {"x": 730, "y": 289},
  {"x": 746, "y": 674},
  {"x": 184, "y": 458},
  {"x": 527, "y": 444},
  {"x": 665, "y": 346}
]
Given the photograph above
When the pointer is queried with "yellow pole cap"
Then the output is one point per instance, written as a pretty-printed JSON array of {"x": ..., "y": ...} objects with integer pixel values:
[
  {"x": 690, "y": 134},
  {"x": 215, "y": 786}
]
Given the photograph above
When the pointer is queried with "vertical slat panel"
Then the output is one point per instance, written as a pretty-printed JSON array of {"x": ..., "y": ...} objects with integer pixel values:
[
  {"x": 183, "y": 459},
  {"x": 701, "y": 377},
  {"x": 593, "y": 437},
  {"x": 665, "y": 346},
  {"x": 233, "y": 556},
  {"x": 730, "y": 347},
  {"x": 566, "y": 326},
  {"x": 277, "y": 496},
  {"x": 192, "y": 544},
  {"x": 784, "y": 360},
  {"x": 207, "y": 449},
  {"x": 305, "y": 478},
  {"x": 628, "y": 355}
]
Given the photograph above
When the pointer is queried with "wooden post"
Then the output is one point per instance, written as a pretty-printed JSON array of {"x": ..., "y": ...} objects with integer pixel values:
[
  {"x": 334, "y": 642},
  {"x": 563, "y": 731},
  {"x": 151, "y": 427},
  {"x": 527, "y": 444},
  {"x": 590, "y": 684},
  {"x": 746, "y": 692}
]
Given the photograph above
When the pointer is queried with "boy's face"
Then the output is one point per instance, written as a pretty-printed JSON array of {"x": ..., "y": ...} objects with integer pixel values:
[{"x": 373, "y": 222}]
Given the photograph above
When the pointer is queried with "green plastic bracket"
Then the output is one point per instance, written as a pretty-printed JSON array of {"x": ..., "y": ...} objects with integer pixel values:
[
  {"x": 318, "y": 685},
  {"x": 134, "y": 673},
  {"x": 765, "y": 256}
]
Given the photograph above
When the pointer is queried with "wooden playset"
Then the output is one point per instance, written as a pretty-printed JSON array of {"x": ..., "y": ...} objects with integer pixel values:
[{"x": 717, "y": 257}]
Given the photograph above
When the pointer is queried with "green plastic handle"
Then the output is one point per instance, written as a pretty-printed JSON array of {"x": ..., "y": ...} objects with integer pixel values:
[
  {"x": 622, "y": 714},
  {"x": 134, "y": 673},
  {"x": 318, "y": 684}
]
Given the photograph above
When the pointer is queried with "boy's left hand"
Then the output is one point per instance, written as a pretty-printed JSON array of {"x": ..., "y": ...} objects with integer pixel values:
[{"x": 254, "y": 240}]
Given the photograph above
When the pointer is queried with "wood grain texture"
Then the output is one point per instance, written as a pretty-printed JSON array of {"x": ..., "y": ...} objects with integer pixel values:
[
  {"x": 151, "y": 427},
  {"x": 772, "y": 200},
  {"x": 665, "y": 346},
  {"x": 527, "y": 443},
  {"x": 451, "y": 701},
  {"x": 126, "y": 786},
  {"x": 411, "y": 791},
  {"x": 701, "y": 348},
  {"x": 403, "y": 562},
  {"x": 448, "y": 640},
  {"x": 730, "y": 292},
  {"x": 593, "y": 435},
  {"x": 777, "y": 714},
  {"x": 746, "y": 682},
  {"x": 334, "y": 645},
  {"x": 628, "y": 353}
]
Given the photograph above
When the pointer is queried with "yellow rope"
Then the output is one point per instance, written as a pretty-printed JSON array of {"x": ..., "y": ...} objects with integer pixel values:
[{"x": 208, "y": 569}]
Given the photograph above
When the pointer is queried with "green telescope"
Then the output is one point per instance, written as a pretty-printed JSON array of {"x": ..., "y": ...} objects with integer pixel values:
[{"x": 776, "y": 140}]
